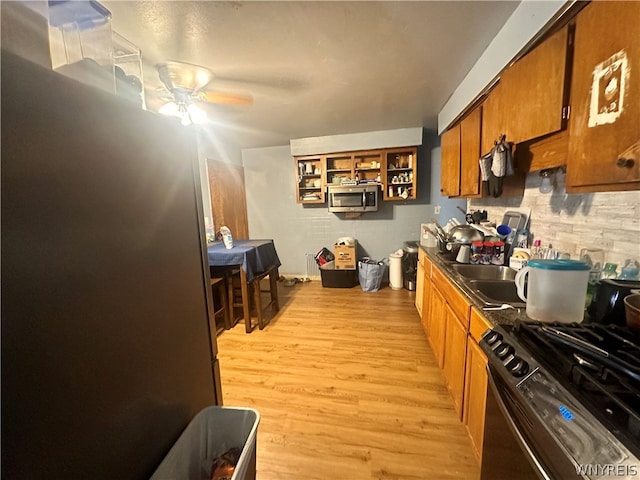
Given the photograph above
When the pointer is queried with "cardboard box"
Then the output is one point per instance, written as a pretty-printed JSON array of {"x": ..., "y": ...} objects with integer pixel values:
[{"x": 345, "y": 256}]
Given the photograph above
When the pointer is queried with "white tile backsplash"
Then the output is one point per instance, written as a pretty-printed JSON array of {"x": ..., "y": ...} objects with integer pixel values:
[{"x": 607, "y": 220}]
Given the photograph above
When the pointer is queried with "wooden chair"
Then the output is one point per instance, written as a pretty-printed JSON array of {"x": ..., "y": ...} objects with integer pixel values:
[
  {"x": 272, "y": 273},
  {"x": 218, "y": 286}
]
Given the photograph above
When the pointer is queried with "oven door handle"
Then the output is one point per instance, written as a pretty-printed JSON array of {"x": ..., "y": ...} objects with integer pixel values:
[{"x": 527, "y": 450}]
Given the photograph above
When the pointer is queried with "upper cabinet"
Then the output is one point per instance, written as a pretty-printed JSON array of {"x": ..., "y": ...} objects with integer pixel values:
[
  {"x": 395, "y": 170},
  {"x": 531, "y": 98},
  {"x": 357, "y": 166},
  {"x": 460, "y": 154},
  {"x": 400, "y": 174},
  {"x": 450, "y": 154},
  {"x": 470, "y": 134},
  {"x": 604, "y": 140},
  {"x": 309, "y": 173}
]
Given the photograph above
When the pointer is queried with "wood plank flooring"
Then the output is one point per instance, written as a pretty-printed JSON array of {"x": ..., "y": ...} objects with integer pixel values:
[{"x": 347, "y": 387}]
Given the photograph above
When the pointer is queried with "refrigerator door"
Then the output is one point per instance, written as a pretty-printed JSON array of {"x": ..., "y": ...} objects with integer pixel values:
[{"x": 106, "y": 351}]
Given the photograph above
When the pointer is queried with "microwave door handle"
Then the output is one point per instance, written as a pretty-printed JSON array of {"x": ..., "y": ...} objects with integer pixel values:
[
  {"x": 515, "y": 429},
  {"x": 364, "y": 199}
]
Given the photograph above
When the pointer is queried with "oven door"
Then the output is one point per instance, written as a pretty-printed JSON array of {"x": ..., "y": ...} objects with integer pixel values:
[{"x": 516, "y": 444}]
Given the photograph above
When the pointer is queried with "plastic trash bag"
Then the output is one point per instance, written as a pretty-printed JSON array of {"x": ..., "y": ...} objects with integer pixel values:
[{"x": 370, "y": 274}]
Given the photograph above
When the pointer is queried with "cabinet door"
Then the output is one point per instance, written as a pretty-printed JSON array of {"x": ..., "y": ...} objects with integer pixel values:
[
  {"x": 455, "y": 350},
  {"x": 450, "y": 174},
  {"x": 604, "y": 141},
  {"x": 470, "y": 153},
  {"x": 426, "y": 300},
  {"x": 528, "y": 102},
  {"x": 475, "y": 395},
  {"x": 419, "y": 288},
  {"x": 437, "y": 319}
]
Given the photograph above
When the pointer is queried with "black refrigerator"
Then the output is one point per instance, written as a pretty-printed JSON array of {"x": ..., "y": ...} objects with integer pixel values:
[{"x": 107, "y": 348}]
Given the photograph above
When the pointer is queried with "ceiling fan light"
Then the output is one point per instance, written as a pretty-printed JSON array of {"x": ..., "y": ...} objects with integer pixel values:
[
  {"x": 197, "y": 114},
  {"x": 170, "y": 108}
]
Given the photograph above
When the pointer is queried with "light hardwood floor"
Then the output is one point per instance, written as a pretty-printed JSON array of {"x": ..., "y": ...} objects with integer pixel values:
[{"x": 347, "y": 388}]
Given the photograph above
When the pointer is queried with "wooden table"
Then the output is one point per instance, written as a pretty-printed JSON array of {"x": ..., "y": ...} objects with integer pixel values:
[{"x": 252, "y": 257}]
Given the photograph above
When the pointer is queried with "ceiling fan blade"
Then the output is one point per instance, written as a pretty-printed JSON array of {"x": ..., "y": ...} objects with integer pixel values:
[{"x": 225, "y": 98}]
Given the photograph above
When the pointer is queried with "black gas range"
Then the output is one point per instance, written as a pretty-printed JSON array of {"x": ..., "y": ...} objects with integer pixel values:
[{"x": 570, "y": 394}]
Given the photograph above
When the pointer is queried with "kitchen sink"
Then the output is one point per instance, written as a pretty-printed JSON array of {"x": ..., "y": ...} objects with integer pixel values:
[
  {"x": 485, "y": 272},
  {"x": 497, "y": 291}
]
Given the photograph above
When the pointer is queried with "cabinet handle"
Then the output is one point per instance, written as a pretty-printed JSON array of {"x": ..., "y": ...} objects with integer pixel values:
[{"x": 625, "y": 162}]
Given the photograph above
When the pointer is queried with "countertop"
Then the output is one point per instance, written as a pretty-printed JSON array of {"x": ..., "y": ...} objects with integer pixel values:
[{"x": 496, "y": 317}]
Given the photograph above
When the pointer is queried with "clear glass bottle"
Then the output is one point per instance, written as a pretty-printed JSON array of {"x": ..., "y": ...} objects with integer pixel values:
[{"x": 609, "y": 271}]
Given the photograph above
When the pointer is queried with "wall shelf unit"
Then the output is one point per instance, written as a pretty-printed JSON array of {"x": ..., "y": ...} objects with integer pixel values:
[{"x": 395, "y": 168}]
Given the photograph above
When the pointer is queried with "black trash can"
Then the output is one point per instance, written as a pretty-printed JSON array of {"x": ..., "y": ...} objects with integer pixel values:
[{"x": 409, "y": 265}]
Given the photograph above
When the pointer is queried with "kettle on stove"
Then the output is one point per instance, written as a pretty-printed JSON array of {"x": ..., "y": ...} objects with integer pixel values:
[{"x": 607, "y": 304}]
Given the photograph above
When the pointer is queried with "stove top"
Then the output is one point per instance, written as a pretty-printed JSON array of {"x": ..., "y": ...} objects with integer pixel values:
[
  {"x": 581, "y": 382},
  {"x": 598, "y": 364}
]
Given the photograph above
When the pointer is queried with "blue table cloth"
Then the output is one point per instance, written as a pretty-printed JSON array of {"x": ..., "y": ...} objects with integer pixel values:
[{"x": 254, "y": 256}]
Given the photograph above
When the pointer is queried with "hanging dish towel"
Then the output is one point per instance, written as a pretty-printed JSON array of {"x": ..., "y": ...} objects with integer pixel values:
[{"x": 496, "y": 165}]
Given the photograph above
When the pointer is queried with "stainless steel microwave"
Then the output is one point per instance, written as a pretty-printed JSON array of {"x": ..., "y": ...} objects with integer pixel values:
[{"x": 353, "y": 198}]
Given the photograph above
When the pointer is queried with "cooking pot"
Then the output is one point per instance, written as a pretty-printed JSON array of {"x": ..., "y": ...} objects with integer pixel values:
[
  {"x": 607, "y": 305},
  {"x": 462, "y": 235}
]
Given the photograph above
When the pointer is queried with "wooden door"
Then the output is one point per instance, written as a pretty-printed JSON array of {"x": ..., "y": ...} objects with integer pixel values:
[
  {"x": 419, "y": 288},
  {"x": 437, "y": 318},
  {"x": 475, "y": 395},
  {"x": 470, "y": 130},
  {"x": 228, "y": 197},
  {"x": 450, "y": 174},
  {"x": 528, "y": 102},
  {"x": 455, "y": 349},
  {"x": 426, "y": 301},
  {"x": 604, "y": 141}
]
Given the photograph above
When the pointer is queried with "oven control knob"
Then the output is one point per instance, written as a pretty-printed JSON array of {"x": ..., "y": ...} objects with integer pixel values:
[
  {"x": 504, "y": 350},
  {"x": 518, "y": 367},
  {"x": 492, "y": 337}
]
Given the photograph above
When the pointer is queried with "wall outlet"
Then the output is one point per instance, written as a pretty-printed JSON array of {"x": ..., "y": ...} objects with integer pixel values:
[
  {"x": 436, "y": 210},
  {"x": 602, "y": 243}
]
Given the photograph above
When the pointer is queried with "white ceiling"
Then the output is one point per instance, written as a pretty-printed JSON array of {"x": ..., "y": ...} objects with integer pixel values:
[{"x": 316, "y": 68}]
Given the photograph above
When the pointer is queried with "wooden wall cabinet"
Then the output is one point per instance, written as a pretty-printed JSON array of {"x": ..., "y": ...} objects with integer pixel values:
[
  {"x": 310, "y": 185},
  {"x": 364, "y": 165},
  {"x": 470, "y": 153},
  {"x": 395, "y": 170},
  {"x": 531, "y": 98},
  {"x": 400, "y": 174},
  {"x": 460, "y": 176},
  {"x": 604, "y": 140},
  {"x": 450, "y": 155}
]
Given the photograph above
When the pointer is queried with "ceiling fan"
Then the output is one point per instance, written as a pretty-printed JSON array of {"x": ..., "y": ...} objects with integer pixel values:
[{"x": 187, "y": 85}]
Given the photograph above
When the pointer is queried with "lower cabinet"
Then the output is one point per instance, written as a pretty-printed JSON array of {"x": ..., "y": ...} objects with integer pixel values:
[
  {"x": 475, "y": 395},
  {"x": 419, "y": 285},
  {"x": 454, "y": 330},
  {"x": 455, "y": 354},
  {"x": 437, "y": 324}
]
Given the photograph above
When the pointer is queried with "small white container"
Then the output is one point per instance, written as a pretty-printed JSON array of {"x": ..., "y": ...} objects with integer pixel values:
[
  {"x": 556, "y": 290},
  {"x": 427, "y": 239}
]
